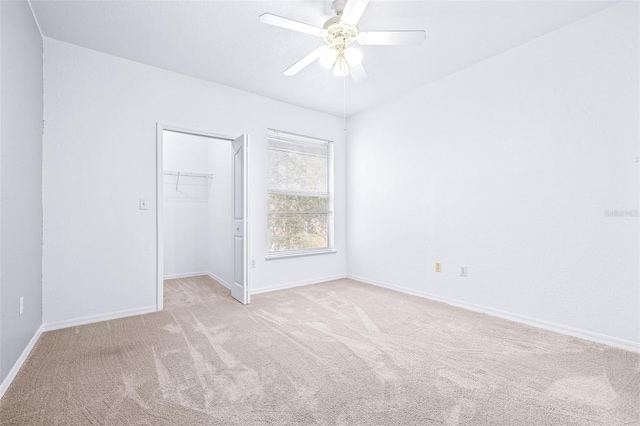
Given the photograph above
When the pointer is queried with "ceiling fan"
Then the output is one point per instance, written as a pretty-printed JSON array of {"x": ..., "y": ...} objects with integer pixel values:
[{"x": 339, "y": 33}]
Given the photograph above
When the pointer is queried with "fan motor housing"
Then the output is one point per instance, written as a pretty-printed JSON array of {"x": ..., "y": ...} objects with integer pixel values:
[{"x": 339, "y": 33}]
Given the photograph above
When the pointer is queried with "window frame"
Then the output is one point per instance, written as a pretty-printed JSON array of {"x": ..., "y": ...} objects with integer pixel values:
[{"x": 285, "y": 136}]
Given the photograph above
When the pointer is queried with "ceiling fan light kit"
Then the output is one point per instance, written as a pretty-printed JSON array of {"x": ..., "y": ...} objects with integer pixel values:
[
  {"x": 339, "y": 32},
  {"x": 328, "y": 58}
]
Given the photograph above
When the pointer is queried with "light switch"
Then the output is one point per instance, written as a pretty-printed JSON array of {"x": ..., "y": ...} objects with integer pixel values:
[
  {"x": 463, "y": 271},
  {"x": 143, "y": 204}
]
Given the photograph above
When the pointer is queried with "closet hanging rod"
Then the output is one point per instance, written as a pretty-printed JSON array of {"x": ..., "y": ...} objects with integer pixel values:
[{"x": 188, "y": 174}]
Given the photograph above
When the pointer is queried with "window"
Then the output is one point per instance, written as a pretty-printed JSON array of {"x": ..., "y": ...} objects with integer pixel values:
[{"x": 300, "y": 195}]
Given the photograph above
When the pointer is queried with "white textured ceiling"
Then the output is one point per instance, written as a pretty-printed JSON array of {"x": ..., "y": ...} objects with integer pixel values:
[{"x": 224, "y": 42}]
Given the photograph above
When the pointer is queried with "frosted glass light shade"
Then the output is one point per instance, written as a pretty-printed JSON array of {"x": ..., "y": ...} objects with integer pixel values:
[
  {"x": 328, "y": 58},
  {"x": 353, "y": 56}
]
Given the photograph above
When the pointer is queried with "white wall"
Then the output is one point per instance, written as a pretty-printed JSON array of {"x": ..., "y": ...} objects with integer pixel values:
[
  {"x": 20, "y": 181},
  {"x": 99, "y": 159},
  {"x": 508, "y": 167}
]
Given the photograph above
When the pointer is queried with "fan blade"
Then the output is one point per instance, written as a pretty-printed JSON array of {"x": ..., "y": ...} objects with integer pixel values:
[
  {"x": 359, "y": 74},
  {"x": 392, "y": 37},
  {"x": 295, "y": 68},
  {"x": 353, "y": 11},
  {"x": 290, "y": 24}
]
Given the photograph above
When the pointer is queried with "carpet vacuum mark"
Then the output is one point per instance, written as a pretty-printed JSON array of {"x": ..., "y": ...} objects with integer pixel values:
[{"x": 336, "y": 353}]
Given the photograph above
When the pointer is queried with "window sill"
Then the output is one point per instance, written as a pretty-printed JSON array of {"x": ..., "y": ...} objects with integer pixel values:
[{"x": 289, "y": 254}]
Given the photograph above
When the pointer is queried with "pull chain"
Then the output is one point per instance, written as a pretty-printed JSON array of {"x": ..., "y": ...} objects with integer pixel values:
[{"x": 344, "y": 100}]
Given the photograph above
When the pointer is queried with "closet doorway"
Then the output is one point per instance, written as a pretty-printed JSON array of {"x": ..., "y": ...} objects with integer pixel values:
[{"x": 201, "y": 184}]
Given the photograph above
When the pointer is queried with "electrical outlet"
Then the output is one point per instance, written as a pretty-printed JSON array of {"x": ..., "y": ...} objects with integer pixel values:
[
  {"x": 252, "y": 263},
  {"x": 21, "y": 304},
  {"x": 143, "y": 204},
  {"x": 463, "y": 271},
  {"x": 438, "y": 267}
]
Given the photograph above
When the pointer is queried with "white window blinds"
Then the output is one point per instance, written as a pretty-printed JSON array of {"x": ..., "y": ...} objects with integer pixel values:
[{"x": 300, "y": 194}]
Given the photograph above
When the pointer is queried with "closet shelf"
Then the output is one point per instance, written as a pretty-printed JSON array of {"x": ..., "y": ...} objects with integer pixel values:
[{"x": 188, "y": 174}]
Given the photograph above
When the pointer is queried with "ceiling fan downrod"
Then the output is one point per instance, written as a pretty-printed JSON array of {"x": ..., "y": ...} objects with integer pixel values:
[{"x": 338, "y": 6}]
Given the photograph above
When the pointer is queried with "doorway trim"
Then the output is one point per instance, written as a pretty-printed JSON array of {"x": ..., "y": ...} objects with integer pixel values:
[{"x": 160, "y": 128}]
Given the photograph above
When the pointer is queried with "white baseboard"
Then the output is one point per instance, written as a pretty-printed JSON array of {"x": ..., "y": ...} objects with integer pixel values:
[
  {"x": 547, "y": 325},
  {"x": 199, "y": 274},
  {"x": 259, "y": 290},
  {"x": 56, "y": 325},
  {"x": 295, "y": 284},
  {"x": 23, "y": 357},
  {"x": 220, "y": 280},
  {"x": 187, "y": 275}
]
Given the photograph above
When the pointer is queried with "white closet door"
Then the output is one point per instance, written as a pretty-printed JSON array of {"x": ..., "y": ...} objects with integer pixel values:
[{"x": 240, "y": 288}]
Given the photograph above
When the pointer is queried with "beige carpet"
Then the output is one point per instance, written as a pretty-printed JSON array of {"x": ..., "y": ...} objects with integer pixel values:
[{"x": 337, "y": 353}]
